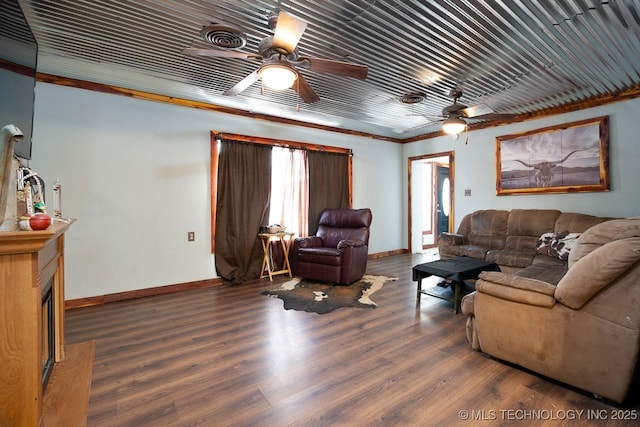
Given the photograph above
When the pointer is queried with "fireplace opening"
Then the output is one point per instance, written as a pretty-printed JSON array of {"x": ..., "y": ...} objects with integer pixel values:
[{"x": 48, "y": 320}]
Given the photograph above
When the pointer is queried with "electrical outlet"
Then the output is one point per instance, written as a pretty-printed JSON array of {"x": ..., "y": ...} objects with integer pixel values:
[
  {"x": 467, "y": 192},
  {"x": 191, "y": 236}
]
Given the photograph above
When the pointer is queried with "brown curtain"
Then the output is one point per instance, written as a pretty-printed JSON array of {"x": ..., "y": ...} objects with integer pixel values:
[
  {"x": 328, "y": 184},
  {"x": 244, "y": 182}
]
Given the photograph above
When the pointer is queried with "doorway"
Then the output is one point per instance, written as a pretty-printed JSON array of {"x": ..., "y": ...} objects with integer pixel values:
[
  {"x": 430, "y": 203},
  {"x": 443, "y": 199}
]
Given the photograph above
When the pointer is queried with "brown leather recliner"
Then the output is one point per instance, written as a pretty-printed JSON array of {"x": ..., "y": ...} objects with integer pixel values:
[{"x": 338, "y": 252}]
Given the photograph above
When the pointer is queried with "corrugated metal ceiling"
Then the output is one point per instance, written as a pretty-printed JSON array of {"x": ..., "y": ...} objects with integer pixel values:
[{"x": 517, "y": 56}]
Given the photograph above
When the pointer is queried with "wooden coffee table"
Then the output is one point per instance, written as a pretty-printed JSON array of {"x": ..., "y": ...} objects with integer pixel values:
[{"x": 456, "y": 269}]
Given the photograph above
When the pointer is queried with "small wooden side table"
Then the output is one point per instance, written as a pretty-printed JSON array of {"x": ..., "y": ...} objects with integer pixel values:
[{"x": 268, "y": 264}]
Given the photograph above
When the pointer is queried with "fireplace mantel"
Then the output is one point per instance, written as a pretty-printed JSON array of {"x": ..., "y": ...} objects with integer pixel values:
[{"x": 29, "y": 260}]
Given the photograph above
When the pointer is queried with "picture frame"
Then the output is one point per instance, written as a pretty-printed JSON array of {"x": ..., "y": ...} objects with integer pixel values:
[{"x": 566, "y": 158}]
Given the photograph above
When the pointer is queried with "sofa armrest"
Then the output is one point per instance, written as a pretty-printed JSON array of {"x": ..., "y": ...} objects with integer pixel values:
[
  {"x": 517, "y": 289},
  {"x": 451, "y": 239},
  {"x": 518, "y": 282},
  {"x": 308, "y": 242},
  {"x": 344, "y": 244}
]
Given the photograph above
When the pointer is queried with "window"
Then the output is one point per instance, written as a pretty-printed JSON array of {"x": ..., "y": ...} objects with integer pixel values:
[
  {"x": 300, "y": 187},
  {"x": 289, "y": 189}
]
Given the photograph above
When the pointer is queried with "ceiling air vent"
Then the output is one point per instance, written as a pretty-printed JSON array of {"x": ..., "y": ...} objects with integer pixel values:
[
  {"x": 224, "y": 36},
  {"x": 413, "y": 97}
]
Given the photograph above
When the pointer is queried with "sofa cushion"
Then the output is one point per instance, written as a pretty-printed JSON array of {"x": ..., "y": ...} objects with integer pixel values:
[
  {"x": 488, "y": 228},
  {"x": 510, "y": 257},
  {"x": 547, "y": 260},
  {"x": 489, "y": 222},
  {"x": 577, "y": 222},
  {"x": 595, "y": 271},
  {"x": 525, "y": 227},
  {"x": 531, "y": 222},
  {"x": 470, "y": 251},
  {"x": 548, "y": 273},
  {"x": 521, "y": 243},
  {"x": 600, "y": 234}
]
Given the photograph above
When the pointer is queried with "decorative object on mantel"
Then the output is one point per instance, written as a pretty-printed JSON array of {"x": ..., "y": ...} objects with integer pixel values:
[
  {"x": 9, "y": 135},
  {"x": 567, "y": 158},
  {"x": 57, "y": 198},
  {"x": 31, "y": 199},
  {"x": 312, "y": 296},
  {"x": 21, "y": 189},
  {"x": 23, "y": 223},
  {"x": 40, "y": 221}
]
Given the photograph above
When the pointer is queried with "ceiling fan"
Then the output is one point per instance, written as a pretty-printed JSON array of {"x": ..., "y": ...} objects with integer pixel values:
[
  {"x": 456, "y": 113},
  {"x": 279, "y": 55}
]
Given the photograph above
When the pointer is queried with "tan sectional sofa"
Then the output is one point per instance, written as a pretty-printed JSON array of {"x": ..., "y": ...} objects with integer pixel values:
[
  {"x": 581, "y": 328},
  {"x": 511, "y": 239}
]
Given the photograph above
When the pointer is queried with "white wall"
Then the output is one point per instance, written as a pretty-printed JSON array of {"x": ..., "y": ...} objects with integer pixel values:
[
  {"x": 475, "y": 167},
  {"x": 135, "y": 174}
]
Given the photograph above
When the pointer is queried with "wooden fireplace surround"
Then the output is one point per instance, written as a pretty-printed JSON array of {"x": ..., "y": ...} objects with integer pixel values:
[{"x": 28, "y": 262}]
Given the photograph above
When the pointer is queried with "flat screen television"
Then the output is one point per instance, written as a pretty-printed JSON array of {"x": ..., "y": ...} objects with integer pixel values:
[{"x": 18, "y": 64}]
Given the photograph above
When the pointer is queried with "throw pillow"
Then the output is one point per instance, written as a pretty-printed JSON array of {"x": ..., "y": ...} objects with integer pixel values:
[
  {"x": 557, "y": 245},
  {"x": 562, "y": 244},
  {"x": 542, "y": 247}
]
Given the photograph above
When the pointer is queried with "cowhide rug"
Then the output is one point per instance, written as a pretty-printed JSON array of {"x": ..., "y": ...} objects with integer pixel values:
[{"x": 307, "y": 295}]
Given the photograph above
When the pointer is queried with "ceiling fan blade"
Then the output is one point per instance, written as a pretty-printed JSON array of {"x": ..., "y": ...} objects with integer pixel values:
[
  {"x": 337, "y": 67},
  {"x": 432, "y": 119},
  {"x": 289, "y": 30},
  {"x": 217, "y": 53},
  {"x": 484, "y": 112},
  {"x": 495, "y": 116},
  {"x": 243, "y": 84},
  {"x": 306, "y": 92},
  {"x": 476, "y": 110}
]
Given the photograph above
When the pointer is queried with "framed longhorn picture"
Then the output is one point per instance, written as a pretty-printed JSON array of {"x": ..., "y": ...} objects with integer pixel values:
[{"x": 572, "y": 157}]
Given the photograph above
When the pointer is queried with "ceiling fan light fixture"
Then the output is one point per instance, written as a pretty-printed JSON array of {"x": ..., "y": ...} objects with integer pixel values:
[
  {"x": 453, "y": 126},
  {"x": 278, "y": 76}
]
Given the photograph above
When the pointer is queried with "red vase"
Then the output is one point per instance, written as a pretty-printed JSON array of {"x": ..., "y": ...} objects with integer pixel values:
[{"x": 40, "y": 221}]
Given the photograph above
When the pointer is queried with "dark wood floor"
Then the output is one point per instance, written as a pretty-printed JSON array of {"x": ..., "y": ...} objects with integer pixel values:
[{"x": 229, "y": 356}]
